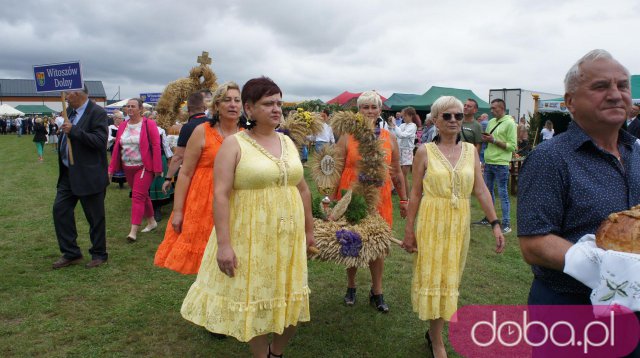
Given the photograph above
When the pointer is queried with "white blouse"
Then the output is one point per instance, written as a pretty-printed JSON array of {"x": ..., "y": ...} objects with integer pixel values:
[
  {"x": 130, "y": 142},
  {"x": 406, "y": 134}
]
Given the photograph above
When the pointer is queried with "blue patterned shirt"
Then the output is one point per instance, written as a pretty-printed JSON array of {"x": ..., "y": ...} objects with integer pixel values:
[{"x": 567, "y": 186}]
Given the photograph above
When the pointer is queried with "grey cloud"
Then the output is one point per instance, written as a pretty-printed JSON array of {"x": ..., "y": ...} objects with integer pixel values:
[{"x": 318, "y": 49}]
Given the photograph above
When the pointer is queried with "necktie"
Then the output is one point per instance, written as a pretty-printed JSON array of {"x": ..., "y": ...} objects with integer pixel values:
[{"x": 64, "y": 151}]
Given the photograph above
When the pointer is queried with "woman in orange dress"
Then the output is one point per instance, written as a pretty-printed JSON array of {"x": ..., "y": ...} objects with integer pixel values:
[
  {"x": 370, "y": 106},
  {"x": 191, "y": 221}
]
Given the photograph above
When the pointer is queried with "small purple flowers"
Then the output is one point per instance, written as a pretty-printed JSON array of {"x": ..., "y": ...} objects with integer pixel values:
[
  {"x": 350, "y": 242},
  {"x": 365, "y": 179},
  {"x": 283, "y": 131}
]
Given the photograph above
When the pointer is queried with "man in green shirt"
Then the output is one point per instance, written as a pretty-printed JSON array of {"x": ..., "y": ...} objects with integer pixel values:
[
  {"x": 501, "y": 138},
  {"x": 471, "y": 131}
]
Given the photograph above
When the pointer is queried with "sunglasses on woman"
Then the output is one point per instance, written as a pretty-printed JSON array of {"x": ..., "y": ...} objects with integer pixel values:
[{"x": 447, "y": 116}]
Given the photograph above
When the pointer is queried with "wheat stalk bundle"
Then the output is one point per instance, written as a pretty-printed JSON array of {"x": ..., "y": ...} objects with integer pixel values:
[
  {"x": 354, "y": 244},
  {"x": 178, "y": 91}
]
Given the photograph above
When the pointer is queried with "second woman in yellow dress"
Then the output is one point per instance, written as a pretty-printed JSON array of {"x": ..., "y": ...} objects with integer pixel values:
[{"x": 450, "y": 171}]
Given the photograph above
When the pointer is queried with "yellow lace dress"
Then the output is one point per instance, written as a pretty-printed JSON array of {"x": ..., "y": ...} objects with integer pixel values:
[
  {"x": 442, "y": 233},
  {"x": 269, "y": 291}
]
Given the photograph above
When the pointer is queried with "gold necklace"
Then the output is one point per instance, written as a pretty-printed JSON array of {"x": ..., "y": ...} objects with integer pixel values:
[
  {"x": 222, "y": 132},
  {"x": 451, "y": 151}
]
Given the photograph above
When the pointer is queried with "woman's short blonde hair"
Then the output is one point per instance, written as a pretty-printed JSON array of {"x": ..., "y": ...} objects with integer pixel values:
[
  {"x": 221, "y": 92},
  {"x": 370, "y": 97},
  {"x": 38, "y": 120},
  {"x": 442, "y": 104}
]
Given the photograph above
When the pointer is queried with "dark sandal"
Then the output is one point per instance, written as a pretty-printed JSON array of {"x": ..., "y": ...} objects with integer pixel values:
[
  {"x": 131, "y": 239},
  {"x": 378, "y": 302},
  {"x": 429, "y": 344},
  {"x": 350, "y": 296},
  {"x": 274, "y": 355}
]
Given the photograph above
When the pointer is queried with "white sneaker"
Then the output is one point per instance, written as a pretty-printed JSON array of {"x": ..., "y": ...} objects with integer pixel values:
[{"x": 506, "y": 229}]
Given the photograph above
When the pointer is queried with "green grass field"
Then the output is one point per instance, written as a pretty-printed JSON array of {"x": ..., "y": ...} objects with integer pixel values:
[{"x": 130, "y": 308}]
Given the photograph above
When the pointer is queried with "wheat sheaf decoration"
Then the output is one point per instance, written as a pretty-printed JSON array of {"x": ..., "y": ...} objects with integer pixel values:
[
  {"x": 176, "y": 92},
  {"x": 341, "y": 237},
  {"x": 326, "y": 168},
  {"x": 300, "y": 124},
  {"x": 372, "y": 167}
]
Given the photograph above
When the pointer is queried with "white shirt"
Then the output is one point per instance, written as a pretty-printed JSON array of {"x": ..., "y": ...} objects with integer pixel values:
[
  {"x": 80, "y": 112},
  {"x": 59, "y": 121},
  {"x": 130, "y": 142},
  {"x": 546, "y": 133},
  {"x": 111, "y": 139},
  {"x": 172, "y": 141},
  {"x": 383, "y": 124},
  {"x": 326, "y": 135},
  {"x": 165, "y": 143},
  {"x": 406, "y": 134}
]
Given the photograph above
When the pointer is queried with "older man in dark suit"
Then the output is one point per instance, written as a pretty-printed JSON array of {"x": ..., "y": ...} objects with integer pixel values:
[
  {"x": 83, "y": 176},
  {"x": 634, "y": 123}
]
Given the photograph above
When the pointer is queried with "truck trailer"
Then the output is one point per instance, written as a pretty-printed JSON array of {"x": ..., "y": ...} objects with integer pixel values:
[{"x": 519, "y": 101}]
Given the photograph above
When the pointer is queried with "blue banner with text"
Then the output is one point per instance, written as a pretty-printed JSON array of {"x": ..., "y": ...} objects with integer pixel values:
[
  {"x": 152, "y": 98},
  {"x": 58, "y": 77}
]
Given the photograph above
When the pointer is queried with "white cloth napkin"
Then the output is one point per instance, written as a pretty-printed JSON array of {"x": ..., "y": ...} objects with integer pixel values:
[
  {"x": 583, "y": 261},
  {"x": 613, "y": 276}
]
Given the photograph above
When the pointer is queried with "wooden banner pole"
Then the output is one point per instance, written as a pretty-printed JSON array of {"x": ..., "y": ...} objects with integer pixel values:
[{"x": 66, "y": 120}]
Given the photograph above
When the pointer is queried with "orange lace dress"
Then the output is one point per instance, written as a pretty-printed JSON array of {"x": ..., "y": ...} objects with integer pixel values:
[
  {"x": 183, "y": 252},
  {"x": 350, "y": 174}
]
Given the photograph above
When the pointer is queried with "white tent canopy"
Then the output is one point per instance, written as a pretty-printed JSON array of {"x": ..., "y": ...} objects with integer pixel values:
[
  {"x": 7, "y": 110},
  {"x": 119, "y": 104}
]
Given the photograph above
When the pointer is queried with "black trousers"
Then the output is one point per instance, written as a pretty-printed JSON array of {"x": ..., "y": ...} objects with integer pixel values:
[{"x": 65, "y": 223}]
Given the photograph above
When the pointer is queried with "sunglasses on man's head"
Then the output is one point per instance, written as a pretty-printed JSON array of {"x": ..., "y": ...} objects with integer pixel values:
[{"x": 447, "y": 116}]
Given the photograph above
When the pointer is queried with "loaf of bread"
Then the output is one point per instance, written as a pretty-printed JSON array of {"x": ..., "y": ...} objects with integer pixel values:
[{"x": 620, "y": 231}]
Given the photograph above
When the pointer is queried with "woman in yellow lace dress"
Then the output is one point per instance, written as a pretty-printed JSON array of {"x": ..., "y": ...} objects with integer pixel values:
[
  {"x": 450, "y": 171},
  {"x": 253, "y": 276}
]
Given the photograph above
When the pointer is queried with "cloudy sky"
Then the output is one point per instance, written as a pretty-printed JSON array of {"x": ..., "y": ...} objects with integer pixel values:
[{"x": 317, "y": 49}]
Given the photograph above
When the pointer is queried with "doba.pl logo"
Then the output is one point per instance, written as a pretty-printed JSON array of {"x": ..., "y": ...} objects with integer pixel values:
[{"x": 543, "y": 331}]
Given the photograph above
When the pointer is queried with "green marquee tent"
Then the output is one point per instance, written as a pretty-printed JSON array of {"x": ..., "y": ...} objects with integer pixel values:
[
  {"x": 397, "y": 99},
  {"x": 635, "y": 88},
  {"x": 424, "y": 101},
  {"x": 35, "y": 109}
]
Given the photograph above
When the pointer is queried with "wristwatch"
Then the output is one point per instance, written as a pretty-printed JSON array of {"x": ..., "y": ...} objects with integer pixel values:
[
  {"x": 168, "y": 179},
  {"x": 494, "y": 223}
]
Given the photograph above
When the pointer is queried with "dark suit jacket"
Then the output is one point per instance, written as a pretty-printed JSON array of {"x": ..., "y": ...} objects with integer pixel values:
[
  {"x": 88, "y": 174},
  {"x": 634, "y": 127}
]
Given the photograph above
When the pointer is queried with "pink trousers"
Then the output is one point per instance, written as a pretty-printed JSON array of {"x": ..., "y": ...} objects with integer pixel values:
[{"x": 139, "y": 181}]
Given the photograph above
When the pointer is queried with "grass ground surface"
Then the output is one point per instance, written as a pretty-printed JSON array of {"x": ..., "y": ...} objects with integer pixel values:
[{"x": 130, "y": 308}]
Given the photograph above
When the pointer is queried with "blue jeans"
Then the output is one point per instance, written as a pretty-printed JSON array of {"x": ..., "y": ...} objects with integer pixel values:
[
  {"x": 320, "y": 145},
  {"x": 541, "y": 294},
  {"x": 499, "y": 174}
]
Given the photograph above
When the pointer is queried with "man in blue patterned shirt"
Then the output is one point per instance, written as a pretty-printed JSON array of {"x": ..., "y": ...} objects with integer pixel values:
[{"x": 569, "y": 184}]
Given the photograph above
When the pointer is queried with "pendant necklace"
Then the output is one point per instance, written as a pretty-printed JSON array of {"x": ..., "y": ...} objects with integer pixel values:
[{"x": 221, "y": 131}]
